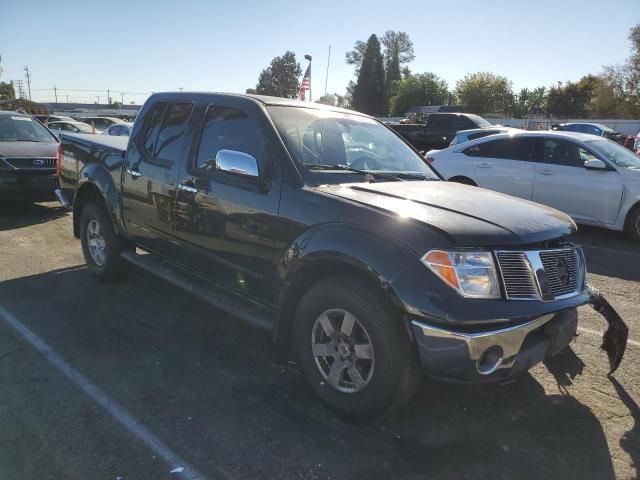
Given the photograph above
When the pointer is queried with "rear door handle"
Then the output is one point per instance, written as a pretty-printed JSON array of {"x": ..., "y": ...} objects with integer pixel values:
[
  {"x": 187, "y": 188},
  {"x": 547, "y": 171},
  {"x": 134, "y": 173},
  {"x": 484, "y": 164}
]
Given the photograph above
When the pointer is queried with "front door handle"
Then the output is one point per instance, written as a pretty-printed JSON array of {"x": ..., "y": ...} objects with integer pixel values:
[
  {"x": 187, "y": 188},
  {"x": 547, "y": 171},
  {"x": 134, "y": 173}
]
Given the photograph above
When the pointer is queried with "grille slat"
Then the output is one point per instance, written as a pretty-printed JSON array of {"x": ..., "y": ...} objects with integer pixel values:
[
  {"x": 31, "y": 163},
  {"x": 516, "y": 275},
  {"x": 561, "y": 272}
]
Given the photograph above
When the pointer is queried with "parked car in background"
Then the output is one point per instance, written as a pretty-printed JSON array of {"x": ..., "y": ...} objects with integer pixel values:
[
  {"x": 594, "y": 180},
  {"x": 29, "y": 159},
  {"x": 591, "y": 129},
  {"x": 325, "y": 227},
  {"x": 101, "y": 123},
  {"x": 439, "y": 129},
  {"x": 467, "y": 135},
  {"x": 119, "y": 129},
  {"x": 71, "y": 127},
  {"x": 45, "y": 119}
]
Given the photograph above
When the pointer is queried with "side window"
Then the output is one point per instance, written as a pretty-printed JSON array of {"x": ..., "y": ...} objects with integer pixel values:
[
  {"x": 169, "y": 145},
  {"x": 153, "y": 127},
  {"x": 460, "y": 122},
  {"x": 593, "y": 130},
  {"x": 440, "y": 122},
  {"x": 563, "y": 152},
  {"x": 526, "y": 149},
  {"x": 502, "y": 148},
  {"x": 228, "y": 128}
]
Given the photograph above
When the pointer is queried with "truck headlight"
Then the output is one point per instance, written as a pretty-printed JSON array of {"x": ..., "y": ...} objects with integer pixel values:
[{"x": 472, "y": 274}]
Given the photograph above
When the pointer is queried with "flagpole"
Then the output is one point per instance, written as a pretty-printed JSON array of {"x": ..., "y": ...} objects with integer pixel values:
[{"x": 326, "y": 80}]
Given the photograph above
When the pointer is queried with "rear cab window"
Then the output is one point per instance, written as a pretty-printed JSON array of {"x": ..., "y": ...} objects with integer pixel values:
[{"x": 163, "y": 138}]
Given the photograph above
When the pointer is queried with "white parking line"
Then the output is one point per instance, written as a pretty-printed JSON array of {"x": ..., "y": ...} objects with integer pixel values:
[
  {"x": 595, "y": 332},
  {"x": 101, "y": 398}
]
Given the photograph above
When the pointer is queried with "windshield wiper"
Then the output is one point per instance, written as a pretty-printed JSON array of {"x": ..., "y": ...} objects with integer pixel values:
[
  {"x": 373, "y": 175},
  {"x": 417, "y": 176}
]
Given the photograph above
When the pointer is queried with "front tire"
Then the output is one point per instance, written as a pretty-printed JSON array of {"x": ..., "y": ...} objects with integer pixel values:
[
  {"x": 101, "y": 245},
  {"x": 633, "y": 224},
  {"x": 354, "y": 354}
]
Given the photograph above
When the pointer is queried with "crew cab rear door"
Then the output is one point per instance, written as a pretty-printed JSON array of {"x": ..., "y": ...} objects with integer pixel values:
[
  {"x": 506, "y": 165},
  {"x": 227, "y": 216},
  {"x": 152, "y": 163}
]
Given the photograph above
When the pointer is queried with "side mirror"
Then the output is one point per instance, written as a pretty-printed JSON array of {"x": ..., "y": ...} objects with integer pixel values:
[
  {"x": 595, "y": 164},
  {"x": 238, "y": 163}
]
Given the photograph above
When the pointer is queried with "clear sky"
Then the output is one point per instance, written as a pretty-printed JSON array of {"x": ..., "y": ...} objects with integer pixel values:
[{"x": 159, "y": 45}]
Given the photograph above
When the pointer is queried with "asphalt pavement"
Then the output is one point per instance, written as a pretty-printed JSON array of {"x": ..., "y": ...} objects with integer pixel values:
[{"x": 136, "y": 380}]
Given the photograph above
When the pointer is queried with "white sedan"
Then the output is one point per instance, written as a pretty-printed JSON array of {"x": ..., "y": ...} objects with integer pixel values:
[
  {"x": 594, "y": 180},
  {"x": 71, "y": 127}
]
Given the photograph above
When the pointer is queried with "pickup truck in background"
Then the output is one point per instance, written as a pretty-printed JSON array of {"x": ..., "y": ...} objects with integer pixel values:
[
  {"x": 439, "y": 129},
  {"x": 330, "y": 230}
]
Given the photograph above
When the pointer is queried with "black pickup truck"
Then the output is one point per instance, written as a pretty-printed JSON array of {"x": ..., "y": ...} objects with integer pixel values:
[
  {"x": 438, "y": 129},
  {"x": 328, "y": 228}
]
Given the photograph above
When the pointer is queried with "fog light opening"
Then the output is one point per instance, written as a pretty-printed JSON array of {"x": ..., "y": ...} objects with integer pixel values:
[{"x": 490, "y": 360}]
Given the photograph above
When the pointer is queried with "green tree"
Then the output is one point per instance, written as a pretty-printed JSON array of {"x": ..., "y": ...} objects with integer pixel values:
[
  {"x": 623, "y": 81},
  {"x": 573, "y": 99},
  {"x": 484, "y": 92},
  {"x": 7, "y": 92},
  {"x": 369, "y": 94},
  {"x": 334, "y": 100},
  {"x": 421, "y": 89},
  {"x": 398, "y": 51},
  {"x": 280, "y": 78}
]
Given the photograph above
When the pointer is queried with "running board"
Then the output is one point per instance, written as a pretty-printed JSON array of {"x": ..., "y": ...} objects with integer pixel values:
[{"x": 251, "y": 313}]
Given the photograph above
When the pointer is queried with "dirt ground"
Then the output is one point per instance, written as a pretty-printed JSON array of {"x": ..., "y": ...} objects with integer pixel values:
[{"x": 207, "y": 387}]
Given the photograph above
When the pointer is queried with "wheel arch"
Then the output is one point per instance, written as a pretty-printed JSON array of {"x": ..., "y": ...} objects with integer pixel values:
[
  {"x": 464, "y": 180},
  {"x": 311, "y": 258},
  {"x": 96, "y": 184}
]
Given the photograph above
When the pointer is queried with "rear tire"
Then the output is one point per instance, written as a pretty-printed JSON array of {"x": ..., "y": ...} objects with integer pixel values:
[
  {"x": 101, "y": 245},
  {"x": 633, "y": 224},
  {"x": 354, "y": 354}
]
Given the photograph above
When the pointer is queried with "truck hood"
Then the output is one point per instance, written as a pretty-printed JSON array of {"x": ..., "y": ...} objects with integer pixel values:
[
  {"x": 468, "y": 216},
  {"x": 29, "y": 149}
]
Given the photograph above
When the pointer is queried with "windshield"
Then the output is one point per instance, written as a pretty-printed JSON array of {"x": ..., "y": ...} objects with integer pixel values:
[
  {"x": 478, "y": 120},
  {"x": 83, "y": 127},
  {"x": 617, "y": 154},
  {"x": 321, "y": 138},
  {"x": 17, "y": 128}
]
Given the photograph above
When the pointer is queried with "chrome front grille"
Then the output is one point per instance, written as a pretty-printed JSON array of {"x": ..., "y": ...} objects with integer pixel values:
[
  {"x": 30, "y": 163},
  {"x": 561, "y": 270},
  {"x": 517, "y": 275},
  {"x": 541, "y": 274}
]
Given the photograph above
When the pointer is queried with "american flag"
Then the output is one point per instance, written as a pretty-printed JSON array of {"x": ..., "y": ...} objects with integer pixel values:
[{"x": 306, "y": 83}]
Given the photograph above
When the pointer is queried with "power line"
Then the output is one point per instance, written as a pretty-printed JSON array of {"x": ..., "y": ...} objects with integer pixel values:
[{"x": 26, "y": 69}]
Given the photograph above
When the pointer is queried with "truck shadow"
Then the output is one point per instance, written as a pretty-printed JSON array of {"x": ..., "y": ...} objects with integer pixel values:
[
  {"x": 23, "y": 214},
  {"x": 167, "y": 357}
]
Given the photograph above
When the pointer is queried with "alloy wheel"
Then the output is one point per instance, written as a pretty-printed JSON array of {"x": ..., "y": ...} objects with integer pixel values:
[
  {"x": 342, "y": 350},
  {"x": 96, "y": 243}
]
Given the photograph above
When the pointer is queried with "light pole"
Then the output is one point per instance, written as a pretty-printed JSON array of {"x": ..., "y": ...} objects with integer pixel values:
[{"x": 308, "y": 57}]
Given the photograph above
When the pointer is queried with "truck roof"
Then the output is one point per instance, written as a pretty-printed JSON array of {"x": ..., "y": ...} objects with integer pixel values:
[{"x": 267, "y": 100}]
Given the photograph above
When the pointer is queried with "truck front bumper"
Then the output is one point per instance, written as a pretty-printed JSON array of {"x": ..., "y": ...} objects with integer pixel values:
[{"x": 492, "y": 354}]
